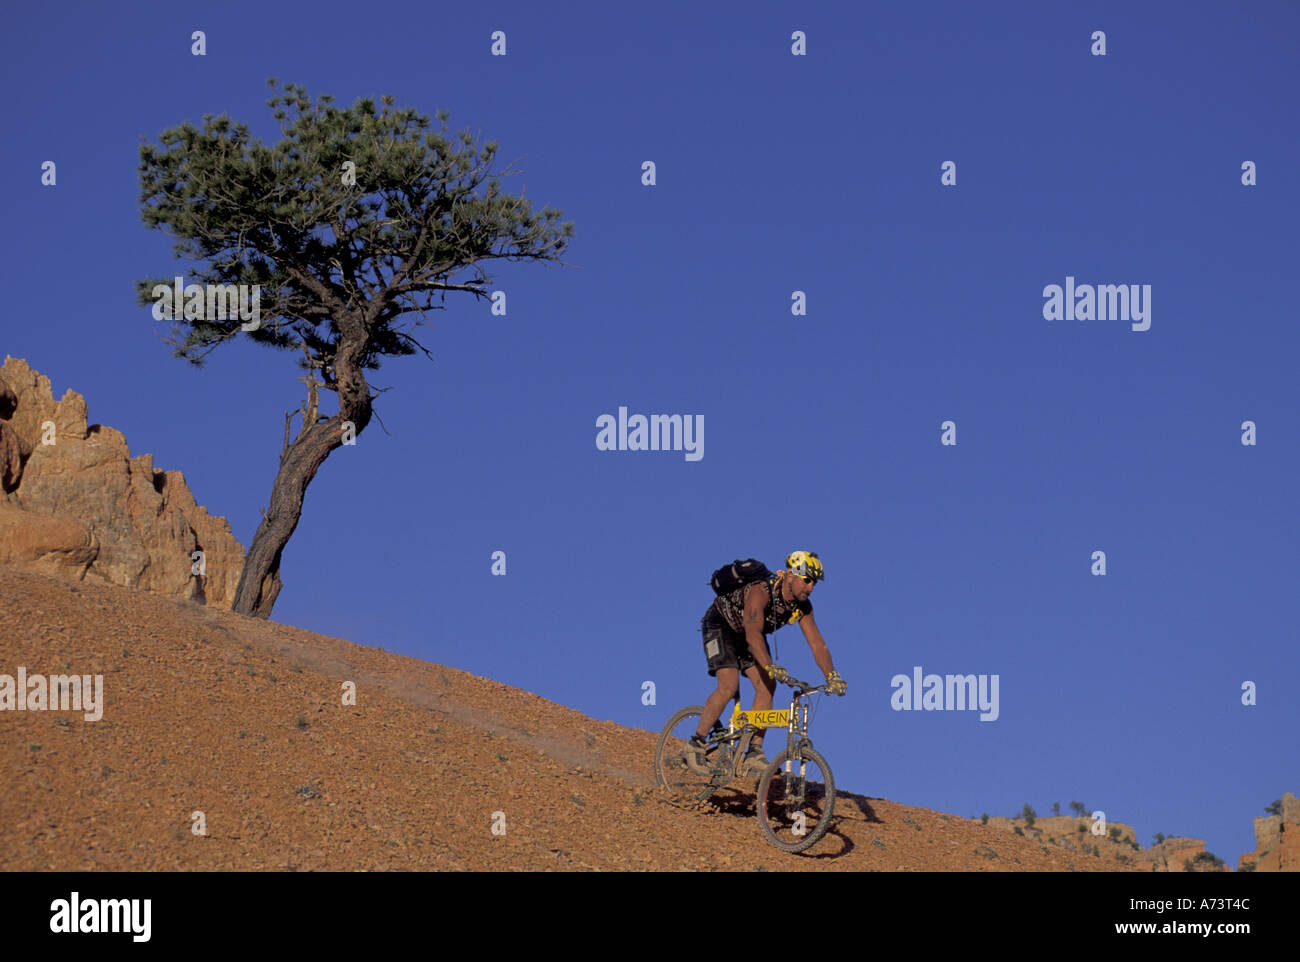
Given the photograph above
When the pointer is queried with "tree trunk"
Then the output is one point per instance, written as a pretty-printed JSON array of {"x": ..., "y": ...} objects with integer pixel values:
[{"x": 259, "y": 584}]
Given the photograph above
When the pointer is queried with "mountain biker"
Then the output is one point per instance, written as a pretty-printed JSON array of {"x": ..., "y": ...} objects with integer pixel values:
[{"x": 735, "y": 629}]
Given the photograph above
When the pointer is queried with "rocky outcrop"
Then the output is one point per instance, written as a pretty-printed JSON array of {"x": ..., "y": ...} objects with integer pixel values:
[
  {"x": 77, "y": 504},
  {"x": 1055, "y": 829},
  {"x": 1277, "y": 841},
  {"x": 1118, "y": 844},
  {"x": 54, "y": 546},
  {"x": 12, "y": 454},
  {"x": 1180, "y": 854}
]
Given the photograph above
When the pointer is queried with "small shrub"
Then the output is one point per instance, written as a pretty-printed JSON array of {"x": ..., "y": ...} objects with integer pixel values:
[{"x": 1207, "y": 861}]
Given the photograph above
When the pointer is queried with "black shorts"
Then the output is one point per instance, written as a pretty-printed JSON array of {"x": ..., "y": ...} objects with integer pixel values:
[{"x": 724, "y": 647}]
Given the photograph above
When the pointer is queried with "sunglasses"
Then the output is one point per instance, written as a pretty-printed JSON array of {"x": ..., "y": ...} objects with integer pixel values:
[{"x": 806, "y": 580}]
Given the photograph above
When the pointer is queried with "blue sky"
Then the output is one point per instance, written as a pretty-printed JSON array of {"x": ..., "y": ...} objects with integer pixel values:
[{"x": 775, "y": 174}]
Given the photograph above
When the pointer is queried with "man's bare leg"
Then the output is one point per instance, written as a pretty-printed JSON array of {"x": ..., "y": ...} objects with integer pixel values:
[
  {"x": 764, "y": 689},
  {"x": 728, "y": 686}
]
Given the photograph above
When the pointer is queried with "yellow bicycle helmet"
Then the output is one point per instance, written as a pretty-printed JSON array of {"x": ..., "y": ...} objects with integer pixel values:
[{"x": 805, "y": 564}]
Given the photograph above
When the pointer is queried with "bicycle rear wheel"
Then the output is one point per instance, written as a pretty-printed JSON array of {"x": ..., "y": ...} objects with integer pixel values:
[
  {"x": 795, "y": 806},
  {"x": 676, "y": 774}
]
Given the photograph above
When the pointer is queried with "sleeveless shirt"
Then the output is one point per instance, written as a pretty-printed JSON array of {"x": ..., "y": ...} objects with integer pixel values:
[{"x": 777, "y": 614}]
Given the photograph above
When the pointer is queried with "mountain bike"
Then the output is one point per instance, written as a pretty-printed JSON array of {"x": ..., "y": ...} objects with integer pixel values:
[{"x": 796, "y": 792}]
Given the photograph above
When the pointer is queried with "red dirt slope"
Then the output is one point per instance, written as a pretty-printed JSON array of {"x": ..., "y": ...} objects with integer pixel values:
[{"x": 241, "y": 720}]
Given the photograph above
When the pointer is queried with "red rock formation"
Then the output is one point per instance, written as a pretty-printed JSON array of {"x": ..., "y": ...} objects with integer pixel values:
[
  {"x": 1119, "y": 843},
  {"x": 1180, "y": 854},
  {"x": 1277, "y": 840},
  {"x": 55, "y": 546},
  {"x": 12, "y": 454},
  {"x": 76, "y": 503}
]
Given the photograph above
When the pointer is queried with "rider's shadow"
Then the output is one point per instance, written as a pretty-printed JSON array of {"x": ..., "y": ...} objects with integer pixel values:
[
  {"x": 832, "y": 832},
  {"x": 740, "y": 804},
  {"x": 847, "y": 845},
  {"x": 863, "y": 805},
  {"x": 734, "y": 803}
]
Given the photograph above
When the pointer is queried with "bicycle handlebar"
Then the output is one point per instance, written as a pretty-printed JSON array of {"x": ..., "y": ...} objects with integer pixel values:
[{"x": 806, "y": 688}]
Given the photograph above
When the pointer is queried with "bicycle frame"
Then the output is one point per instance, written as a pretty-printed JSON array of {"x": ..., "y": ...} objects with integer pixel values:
[
  {"x": 761, "y": 718},
  {"x": 793, "y": 719}
]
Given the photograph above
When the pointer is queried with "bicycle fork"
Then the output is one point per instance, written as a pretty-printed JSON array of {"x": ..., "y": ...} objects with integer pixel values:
[
  {"x": 795, "y": 752},
  {"x": 795, "y": 798}
]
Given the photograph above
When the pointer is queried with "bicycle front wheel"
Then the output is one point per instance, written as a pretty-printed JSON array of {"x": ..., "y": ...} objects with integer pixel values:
[{"x": 796, "y": 798}]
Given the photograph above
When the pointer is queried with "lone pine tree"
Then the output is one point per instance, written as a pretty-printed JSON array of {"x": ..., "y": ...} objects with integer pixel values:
[{"x": 355, "y": 219}]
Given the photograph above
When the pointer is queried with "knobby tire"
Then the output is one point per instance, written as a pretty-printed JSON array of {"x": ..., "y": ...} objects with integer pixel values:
[{"x": 770, "y": 808}]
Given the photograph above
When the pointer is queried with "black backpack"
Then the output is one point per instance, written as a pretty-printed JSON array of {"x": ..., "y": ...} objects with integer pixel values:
[{"x": 738, "y": 574}]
